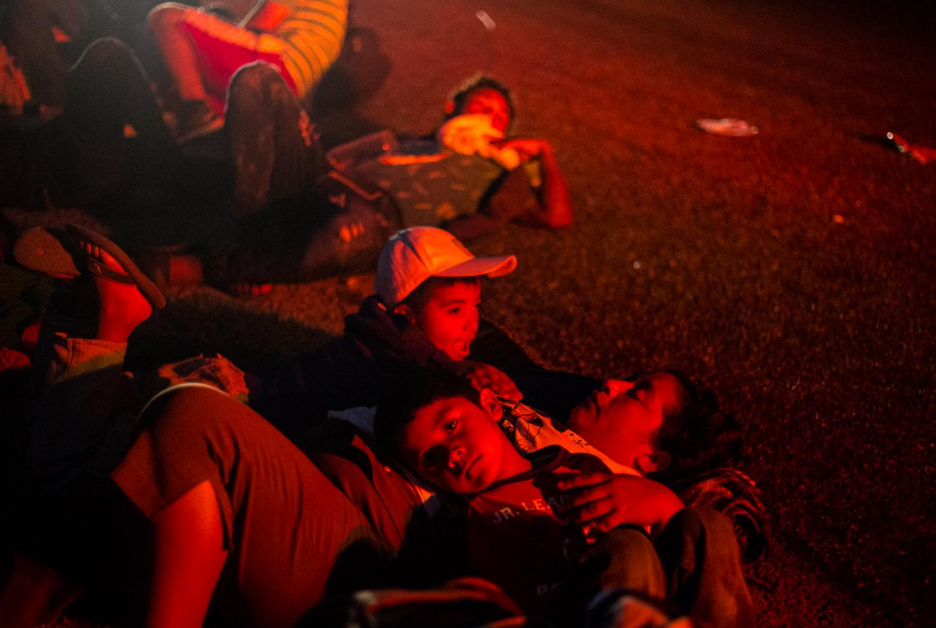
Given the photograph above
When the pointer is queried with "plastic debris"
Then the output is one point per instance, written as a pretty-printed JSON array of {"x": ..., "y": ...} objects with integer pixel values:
[
  {"x": 486, "y": 20},
  {"x": 922, "y": 154},
  {"x": 730, "y": 127}
]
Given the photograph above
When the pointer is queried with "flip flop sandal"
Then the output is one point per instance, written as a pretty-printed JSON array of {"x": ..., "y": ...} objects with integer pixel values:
[{"x": 56, "y": 252}]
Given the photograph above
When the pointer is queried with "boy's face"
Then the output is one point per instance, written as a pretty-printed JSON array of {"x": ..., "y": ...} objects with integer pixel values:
[
  {"x": 450, "y": 317},
  {"x": 621, "y": 418},
  {"x": 489, "y": 102},
  {"x": 457, "y": 445}
]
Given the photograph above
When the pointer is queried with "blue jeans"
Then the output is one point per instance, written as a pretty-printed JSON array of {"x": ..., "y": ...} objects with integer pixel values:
[{"x": 291, "y": 224}]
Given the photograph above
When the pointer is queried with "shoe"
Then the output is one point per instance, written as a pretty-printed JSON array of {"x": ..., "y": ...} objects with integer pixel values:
[
  {"x": 196, "y": 118},
  {"x": 56, "y": 252}
]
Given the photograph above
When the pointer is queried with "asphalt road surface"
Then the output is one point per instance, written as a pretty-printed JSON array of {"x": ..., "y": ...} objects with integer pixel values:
[{"x": 793, "y": 270}]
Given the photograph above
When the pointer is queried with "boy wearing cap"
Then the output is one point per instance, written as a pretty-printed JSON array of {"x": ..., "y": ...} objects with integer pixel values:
[{"x": 424, "y": 312}]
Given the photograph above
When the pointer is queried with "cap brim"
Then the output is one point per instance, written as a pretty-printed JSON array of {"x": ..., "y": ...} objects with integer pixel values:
[{"x": 481, "y": 267}]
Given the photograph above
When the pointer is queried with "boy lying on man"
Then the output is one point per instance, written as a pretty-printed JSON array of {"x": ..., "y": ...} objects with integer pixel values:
[
  {"x": 515, "y": 518},
  {"x": 425, "y": 312},
  {"x": 88, "y": 251}
]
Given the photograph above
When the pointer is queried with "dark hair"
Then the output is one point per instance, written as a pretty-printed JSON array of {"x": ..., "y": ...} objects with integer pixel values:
[
  {"x": 417, "y": 299},
  {"x": 698, "y": 435},
  {"x": 479, "y": 81},
  {"x": 409, "y": 389}
]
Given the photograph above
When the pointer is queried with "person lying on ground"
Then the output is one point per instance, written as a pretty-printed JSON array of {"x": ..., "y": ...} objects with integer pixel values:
[
  {"x": 116, "y": 297},
  {"x": 468, "y": 177},
  {"x": 222, "y": 511},
  {"x": 84, "y": 408},
  {"x": 287, "y": 218},
  {"x": 279, "y": 173},
  {"x": 705, "y": 470},
  {"x": 99, "y": 260},
  {"x": 554, "y": 529},
  {"x": 300, "y": 38},
  {"x": 71, "y": 437},
  {"x": 76, "y": 440}
]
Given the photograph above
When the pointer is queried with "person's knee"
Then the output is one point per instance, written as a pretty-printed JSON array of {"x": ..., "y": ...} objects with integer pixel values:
[
  {"x": 705, "y": 524},
  {"x": 626, "y": 558},
  {"x": 100, "y": 51},
  {"x": 631, "y": 549},
  {"x": 259, "y": 84},
  {"x": 166, "y": 16},
  {"x": 249, "y": 81},
  {"x": 701, "y": 557}
]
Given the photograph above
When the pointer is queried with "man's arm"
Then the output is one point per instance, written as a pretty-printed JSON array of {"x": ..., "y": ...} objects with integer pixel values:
[
  {"x": 607, "y": 500},
  {"x": 555, "y": 208}
]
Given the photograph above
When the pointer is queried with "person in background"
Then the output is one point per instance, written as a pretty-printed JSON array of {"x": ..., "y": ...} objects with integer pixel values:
[{"x": 300, "y": 38}]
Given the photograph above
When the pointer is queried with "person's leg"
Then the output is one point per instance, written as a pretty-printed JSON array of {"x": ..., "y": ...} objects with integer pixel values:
[
  {"x": 27, "y": 31},
  {"x": 623, "y": 558},
  {"x": 79, "y": 358},
  {"x": 179, "y": 52},
  {"x": 207, "y": 461},
  {"x": 272, "y": 143},
  {"x": 202, "y": 52},
  {"x": 110, "y": 89},
  {"x": 306, "y": 240},
  {"x": 702, "y": 562},
  {"x": 121, "y": 140}
]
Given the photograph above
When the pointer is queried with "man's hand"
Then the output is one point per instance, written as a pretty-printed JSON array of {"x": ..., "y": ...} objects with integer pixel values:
[
  {"x": 484, "y": 376},
  {"x": 555, "y": 208},
  {"x": 606, "y": 500},
  {"x": 527, "y": 148}
]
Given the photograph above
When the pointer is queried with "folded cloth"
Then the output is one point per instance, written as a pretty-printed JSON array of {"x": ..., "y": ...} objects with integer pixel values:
[
  {"x": 732, "y": 492},
  {"x": 472, "y": 134}
]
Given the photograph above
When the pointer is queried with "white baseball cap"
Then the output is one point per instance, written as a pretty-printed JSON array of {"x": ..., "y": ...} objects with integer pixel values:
[{"x": 412, "y": 256}]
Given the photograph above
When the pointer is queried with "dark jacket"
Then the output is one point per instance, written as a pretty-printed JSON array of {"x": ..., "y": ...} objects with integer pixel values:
[{"x": 353, "y": 370}]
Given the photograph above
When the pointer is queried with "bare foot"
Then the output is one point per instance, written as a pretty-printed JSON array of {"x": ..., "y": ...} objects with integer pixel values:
[{"x": 122, "y": 306}]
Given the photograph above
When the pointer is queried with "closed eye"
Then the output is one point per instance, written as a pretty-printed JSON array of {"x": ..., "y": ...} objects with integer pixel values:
[{"x": 639, "y": 391}]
